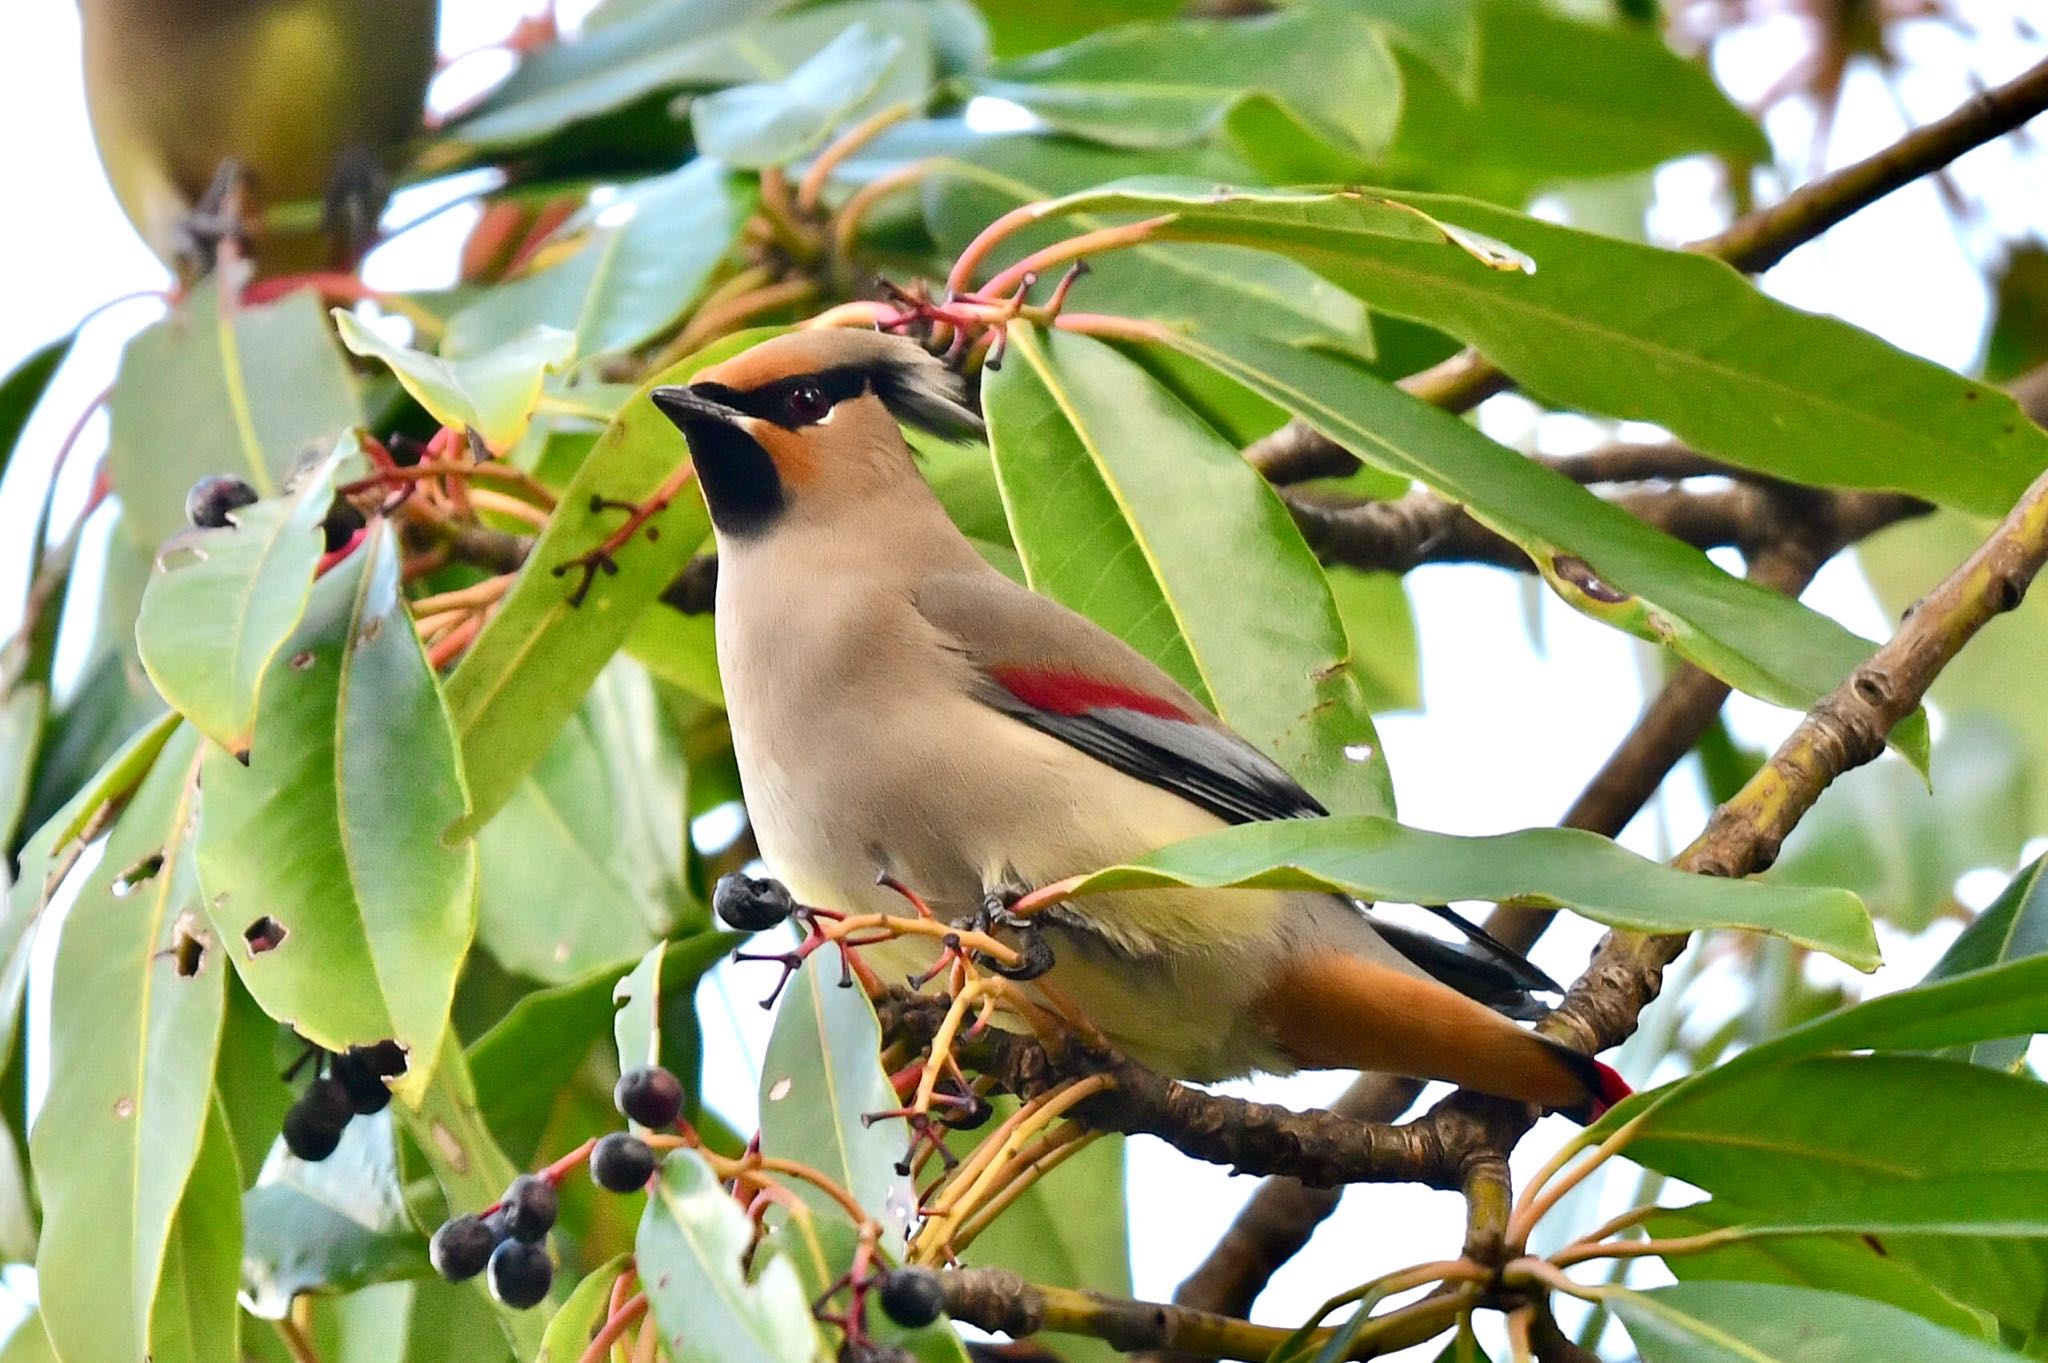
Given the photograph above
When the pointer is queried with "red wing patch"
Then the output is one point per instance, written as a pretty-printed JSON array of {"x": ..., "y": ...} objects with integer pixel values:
[{"x": 1070, "y": 693}]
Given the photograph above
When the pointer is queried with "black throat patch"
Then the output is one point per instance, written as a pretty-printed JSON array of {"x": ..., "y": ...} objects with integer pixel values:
[{"x": 741, "y": 487}]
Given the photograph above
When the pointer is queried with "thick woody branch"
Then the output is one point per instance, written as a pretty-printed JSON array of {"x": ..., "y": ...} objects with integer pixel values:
[
  {"x": 997, "y": 1300},
  {"x": 1845, "y": 730},
  {"x": 1319, "y": 1148},
  {"x": 1402, "y": 533}
]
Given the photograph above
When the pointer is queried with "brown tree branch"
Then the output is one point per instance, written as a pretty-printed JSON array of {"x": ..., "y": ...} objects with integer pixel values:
[
  {"x": 997, "y": 1300},
  {"x": 1845, "y": 730}
]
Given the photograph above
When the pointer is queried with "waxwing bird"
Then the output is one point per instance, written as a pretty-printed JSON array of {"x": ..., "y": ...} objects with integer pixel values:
[
  {"x": 197, "y": 102},
  {"x": 900, "y": 707}
]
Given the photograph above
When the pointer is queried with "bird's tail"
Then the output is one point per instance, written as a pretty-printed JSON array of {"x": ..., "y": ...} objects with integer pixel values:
[{"x": 1334, "y": 1010}]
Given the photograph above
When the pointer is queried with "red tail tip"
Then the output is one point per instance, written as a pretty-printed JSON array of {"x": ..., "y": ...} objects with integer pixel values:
[{"x": 1610, "y": 1089}]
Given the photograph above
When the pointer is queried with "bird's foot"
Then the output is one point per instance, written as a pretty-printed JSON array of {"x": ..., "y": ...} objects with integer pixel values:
[
  {"x": 220, "y": 218},
  {"x": 994, "y": 918},
  {"x": 356, "y": 189}
]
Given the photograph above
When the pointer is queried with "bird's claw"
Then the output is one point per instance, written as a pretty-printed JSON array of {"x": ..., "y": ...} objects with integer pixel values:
[{"x": 1033, "y": 951}]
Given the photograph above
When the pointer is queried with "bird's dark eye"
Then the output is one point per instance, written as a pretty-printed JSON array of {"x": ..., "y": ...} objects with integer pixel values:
[{"x": 807, "y": 403}]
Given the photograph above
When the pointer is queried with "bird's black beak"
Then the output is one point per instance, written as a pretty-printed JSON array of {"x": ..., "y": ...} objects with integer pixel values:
[{"x": 686, "y": 405}]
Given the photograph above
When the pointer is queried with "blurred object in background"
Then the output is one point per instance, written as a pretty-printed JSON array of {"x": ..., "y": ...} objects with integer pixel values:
[{"x": 214, "y": 115}]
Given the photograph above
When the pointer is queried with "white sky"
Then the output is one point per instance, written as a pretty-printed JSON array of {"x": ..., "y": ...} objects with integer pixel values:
[{"x": 1517, "y": 719}]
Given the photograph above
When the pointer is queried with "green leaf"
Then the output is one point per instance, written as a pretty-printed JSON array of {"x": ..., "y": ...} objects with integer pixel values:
[
  {"x": 1719, "y": 1322},
  {"x": 221, "y": 388},
  {"x": 1596, "y": 556},
  {"x": 332, "y": 1226},
  {"x": 689, "y": 1248},
  {"x": 1126, "y": 507},
  {"x": 636, "y": 1017},
  {"x": 972, "y": 180},
  {"x": 136, "y": 1006},
  {"x": 1637, "y": 332},
  {"x": 2014, "y": 926},
  {"x": 821, "y": 1077},
  {"x": 555, "y": 901},
  {"x": 530, "y": 666},
  {"x": 1813, "y": 1132},
  {"x": 1855, "y": 1264},
  {"x": 334, "y": 831},
  {"x": 196, "y": 1318},
  {"x": 27, "y": 1342},
  {"x": 1377, "y": 859},
  {"x": 22, "y": 712},
  {"x": 1168, "y": 84},
  {"x": 23, "y": 388},
  {"x": 49, "y": 855},
  {"x": 569, "y": 1333},
  {"x": 222, "y": 602},
  {"x": 628, "y": 281},
  {"x": 1552, "y": 98},
  {"x": 1017, "y": 29},
  {"x": 492, "y": 393},
  {"x": 771, "y": 123},
  {"x": 696, "y": 46}
]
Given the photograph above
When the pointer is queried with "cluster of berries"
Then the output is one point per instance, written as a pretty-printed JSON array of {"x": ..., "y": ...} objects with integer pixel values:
[
  {"x": 352, "y": 1086},
  {"x": 508, "y": 1241},
  {"x": 213, "y": 497}
]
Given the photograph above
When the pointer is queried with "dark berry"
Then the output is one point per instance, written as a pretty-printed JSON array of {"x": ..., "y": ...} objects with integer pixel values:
[
  {"x": 385, "y": 1059},
  {"x": 621, "y": 1163},
  {"x": 326, "y": 1102},
  {"x": 366, "y": 1092},
  {"x": 211, "y": 499},
  {"x": 650, "y": 1096},
  {"x": 913, "y": 1296},
  {"x": 520, "y": 1273},
  {"x": 343, "y": 520},
  {"x": 462, "y": 1246},
  {"x": 306, "y": 1136},
  {"x": 749, "y": 905},
  {"x": 970, "y": 1113},
  {"x": 529, "y": 1207}
]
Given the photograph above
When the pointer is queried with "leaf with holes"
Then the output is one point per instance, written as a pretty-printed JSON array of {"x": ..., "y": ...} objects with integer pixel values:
[
  {"x": 324, "y": 860},
  {"x": 222, "y": 602},
  {"x": 50, "y": 854},
  {"x": 218, "y": 387},
  {"x": 689, "y": 1251},
  {"x": 136, "y": 1007},
  {"x": 492, "y": 393},
  {"x": 1377, "y": 859},
  {"x": 820, "y": 1082},
  {"x": 1128, "y": 508}
]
